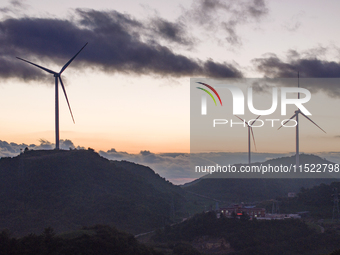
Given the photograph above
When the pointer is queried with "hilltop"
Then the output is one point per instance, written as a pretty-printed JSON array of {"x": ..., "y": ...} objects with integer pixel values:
[{"x": 70, "y": 189}]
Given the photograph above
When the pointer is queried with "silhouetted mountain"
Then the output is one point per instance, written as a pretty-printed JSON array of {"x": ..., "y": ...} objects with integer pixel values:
[
  {"x": 257, "y": 189},
  {"x": 70, "y": 189}
]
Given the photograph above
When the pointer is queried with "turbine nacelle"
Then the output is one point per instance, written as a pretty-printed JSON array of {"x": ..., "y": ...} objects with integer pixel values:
[
  {"x": 296, "y": 115},
  {"x": 297, "y": 112}
]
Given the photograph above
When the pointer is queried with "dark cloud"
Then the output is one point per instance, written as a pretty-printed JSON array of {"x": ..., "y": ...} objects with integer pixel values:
[
  {"x": 315, "y": 52},
  {"x": 232, "y": 37},
  {"x": 294, "y": 22},
  {"x": 145, "y": 153},
  {"x": 17, "y": 3},
  {"x": 293, "y": 27},
  {"x": 307, "y": 62},
  {"x": 260, "y": 87},
  {"x": 116, "y": 44},
  {"x": 273, "y": 67},
  {"x": 311, "y": 68},
  {"x": 14, "y": 6},
  {"x": 171, "y": 31},
  {"x": 228, "y": 15},
  {"x": 217, "y": 70},
  {"x": 256, "y": 8}
]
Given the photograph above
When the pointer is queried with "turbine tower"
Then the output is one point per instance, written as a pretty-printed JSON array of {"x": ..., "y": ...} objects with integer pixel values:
[
  {"x": 296, "y": 116},
  {"x": 250, "y": 132},
  {"x": 57, "y": 76},
  {"x": 335, "y": 205}
]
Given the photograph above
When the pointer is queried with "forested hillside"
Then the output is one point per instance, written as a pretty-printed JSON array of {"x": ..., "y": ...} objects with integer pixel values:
[{"x": 70, "y": 189}]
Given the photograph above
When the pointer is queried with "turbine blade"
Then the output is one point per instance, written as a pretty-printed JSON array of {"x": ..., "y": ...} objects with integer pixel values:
[
  {"x": 252, "y": 133},
  {"x": 255, "y": 120},
  {"x": 43, "y": 68},
  {"x": 312, "y": 122},
  {"x": 62, "y": 85},
  {"x": 242, "y": 120},
  {"x": 287, "y": 121},
  {"x": 69, "y": 62}
]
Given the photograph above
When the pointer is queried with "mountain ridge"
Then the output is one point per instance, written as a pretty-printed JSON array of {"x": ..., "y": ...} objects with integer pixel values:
[{"x": 70, "y": 189}]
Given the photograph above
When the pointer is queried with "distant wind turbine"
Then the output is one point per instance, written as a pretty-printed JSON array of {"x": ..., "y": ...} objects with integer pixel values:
[
  {"x": 56, "y": 77},
  {"x": 250, "y": 130},
  {"x": 296, "y": 115}
]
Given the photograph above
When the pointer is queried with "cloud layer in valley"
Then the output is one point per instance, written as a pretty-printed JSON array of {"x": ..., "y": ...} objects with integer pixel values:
[{"x": 175, "y": 167}]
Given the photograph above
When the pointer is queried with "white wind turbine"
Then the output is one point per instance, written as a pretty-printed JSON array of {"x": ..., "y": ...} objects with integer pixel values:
[
  {"x": 296, "y": 115},
  {"x": 250, "y": 131},
  {"x": 56, "y": 77}
]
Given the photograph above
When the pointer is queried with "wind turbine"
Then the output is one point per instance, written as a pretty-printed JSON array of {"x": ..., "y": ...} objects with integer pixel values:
[
  {"x": 296, "y": 115},
  {"x": 250, "y": 130},
  {"x": 56, "y": 77}
]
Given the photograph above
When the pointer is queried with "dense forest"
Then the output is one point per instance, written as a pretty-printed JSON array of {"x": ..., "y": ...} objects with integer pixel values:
[
  {"x": 196, "y": 236},
  {"x": 243, "y": 236},
  {"x": 317, "y": 200},
  {"x": 97, "y": 240}
]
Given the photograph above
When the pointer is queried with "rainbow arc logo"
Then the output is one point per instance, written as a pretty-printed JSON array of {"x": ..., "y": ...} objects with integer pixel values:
[{"x": 213, "y": 90}]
